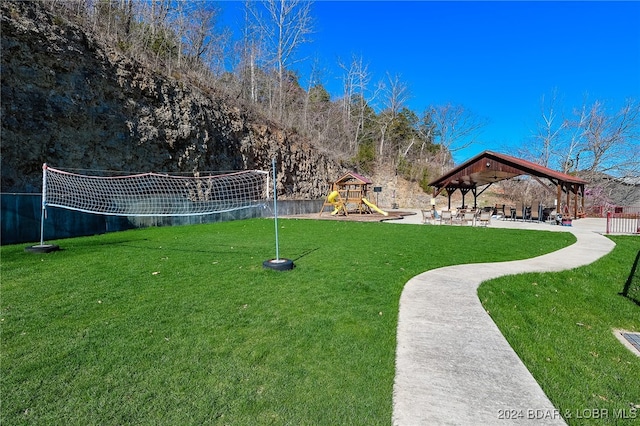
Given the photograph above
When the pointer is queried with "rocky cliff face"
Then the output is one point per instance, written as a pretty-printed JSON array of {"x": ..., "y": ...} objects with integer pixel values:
[{"x": 74, "y": 103}]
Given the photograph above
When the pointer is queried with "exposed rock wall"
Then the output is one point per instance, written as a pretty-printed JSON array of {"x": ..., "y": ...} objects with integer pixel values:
[{"x": 74, "y": 103}]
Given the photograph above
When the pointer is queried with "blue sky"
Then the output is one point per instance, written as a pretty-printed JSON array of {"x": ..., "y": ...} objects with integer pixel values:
[{"x": 497, "y": 58}]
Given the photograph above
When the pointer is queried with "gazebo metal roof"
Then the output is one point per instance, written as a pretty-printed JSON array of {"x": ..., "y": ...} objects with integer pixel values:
[{"x": 489, "y": 167}]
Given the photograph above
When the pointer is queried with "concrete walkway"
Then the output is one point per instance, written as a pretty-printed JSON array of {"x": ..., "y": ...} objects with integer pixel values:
[{"x": 453, "y": 366}]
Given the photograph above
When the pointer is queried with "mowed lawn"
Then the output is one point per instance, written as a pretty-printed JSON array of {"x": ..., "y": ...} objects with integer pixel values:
[
  {"x": 183, "y": 326},
  {"x": 561, "y": 325}
]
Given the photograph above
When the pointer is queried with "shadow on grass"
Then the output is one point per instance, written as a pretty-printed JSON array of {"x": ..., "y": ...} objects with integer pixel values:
[
  {"x": 91, "y": 244},
  {"x": 306, "y": 253},
  {"x": 633, "y": 293},
  {"x": 144, "y": 244},
  {"x": 133, "y": 243},
  {"x": 166, "y": 248}
]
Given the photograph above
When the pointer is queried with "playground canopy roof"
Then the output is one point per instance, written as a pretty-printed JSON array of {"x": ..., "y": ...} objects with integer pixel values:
[
  {"x": 354, "y": 179},
  {"x": 490, "y": 167}
]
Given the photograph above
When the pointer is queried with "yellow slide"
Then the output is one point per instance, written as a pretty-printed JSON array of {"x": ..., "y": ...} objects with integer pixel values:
[
  {"x": 332, "y": 199},
  {"x": 374, "y": 207}
]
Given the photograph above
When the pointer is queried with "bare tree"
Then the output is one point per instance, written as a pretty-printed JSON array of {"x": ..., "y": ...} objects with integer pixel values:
[
  {"x": 396, "y": 95},
  {"x": 252, "y": 56},
  {"x": 356, "y": 99},
  {"x": 313, "y": 84},
  {"x": 550, "y": 130},
  {"x": 593, "y": 140},
  {"x": 207, "y": 45},
  {"x": 114, "y": 17},
  {"x": 611, "y": 140},
  {"x": 456, "y": 128},
  {"x": 599, "y": 144},
  {"x": 286, "y": 27},
  {"x": 427, "y": 130},
  {"x": 568, "y": 149}
]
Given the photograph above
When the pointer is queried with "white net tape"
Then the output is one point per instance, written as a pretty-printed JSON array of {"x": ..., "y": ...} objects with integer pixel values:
[{"x": 153, "y": 194}]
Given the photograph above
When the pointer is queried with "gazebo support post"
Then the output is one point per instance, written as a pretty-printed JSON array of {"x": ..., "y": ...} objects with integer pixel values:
[
  {"x": 575, "y": 202},
  {"x": 559, "y": 199},
  {"x": 476, "y": 194},
  {"x": 464, "y": 192}
]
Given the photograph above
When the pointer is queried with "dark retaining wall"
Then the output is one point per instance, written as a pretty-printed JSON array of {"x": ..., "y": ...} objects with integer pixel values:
[{"x": 20, "y": 218}]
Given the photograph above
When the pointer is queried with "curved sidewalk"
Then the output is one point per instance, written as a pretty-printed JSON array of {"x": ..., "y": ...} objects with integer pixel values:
[{"x": 453, "y": 366}]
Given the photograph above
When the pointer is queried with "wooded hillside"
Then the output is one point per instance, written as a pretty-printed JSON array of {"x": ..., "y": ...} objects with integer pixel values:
[
  {"x": 139, "y": 85},
  {"x": 73, "y": 100}
]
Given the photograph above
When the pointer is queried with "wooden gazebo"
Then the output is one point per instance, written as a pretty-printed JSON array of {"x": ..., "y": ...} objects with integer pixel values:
[{"x": 480, "y": 172}]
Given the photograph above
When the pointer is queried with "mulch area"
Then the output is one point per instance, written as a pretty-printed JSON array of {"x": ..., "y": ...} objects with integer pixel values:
[{"x": 354, "y": 217}]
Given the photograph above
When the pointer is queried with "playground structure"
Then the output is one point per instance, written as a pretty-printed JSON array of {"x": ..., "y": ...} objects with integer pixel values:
[{"x": 348, "y": 196}]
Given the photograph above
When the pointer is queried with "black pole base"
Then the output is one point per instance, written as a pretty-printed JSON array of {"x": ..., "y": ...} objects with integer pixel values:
[
  {"x": 278, "y": 264},
  {"x": 42, "y": 248}
]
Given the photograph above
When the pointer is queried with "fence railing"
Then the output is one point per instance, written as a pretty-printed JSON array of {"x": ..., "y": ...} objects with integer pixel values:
[
  {"x": 623, "y": 220},
  {"x": 596, "y": 211}
]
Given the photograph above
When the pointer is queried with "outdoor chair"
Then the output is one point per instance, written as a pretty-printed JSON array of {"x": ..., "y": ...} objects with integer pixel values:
[
  {"x": 519, "y": 213},
  {"x": 535, "y": 212},
  {"x": 469, "y": 216},
  {"x": 456, "y": 218},
  {"x": 446, "y": 217},
  {"x": 485, "y": 218},
  {"x": 501, "y": 211},
  {"x": 427, "y": 217}
]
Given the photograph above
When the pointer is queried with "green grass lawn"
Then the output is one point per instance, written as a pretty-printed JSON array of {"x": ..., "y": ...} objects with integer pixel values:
[
  {"x": 183, "y": 325},
  {"x": 561, "y": 325}
]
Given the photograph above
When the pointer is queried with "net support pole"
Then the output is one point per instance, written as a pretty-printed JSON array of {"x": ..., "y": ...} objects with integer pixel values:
[
  {"x": 277, "y": 264},
  {"x": 275, "y": 207},
  {"x": 42, "y": 247},
  {"x": 44, "y": 202}
]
